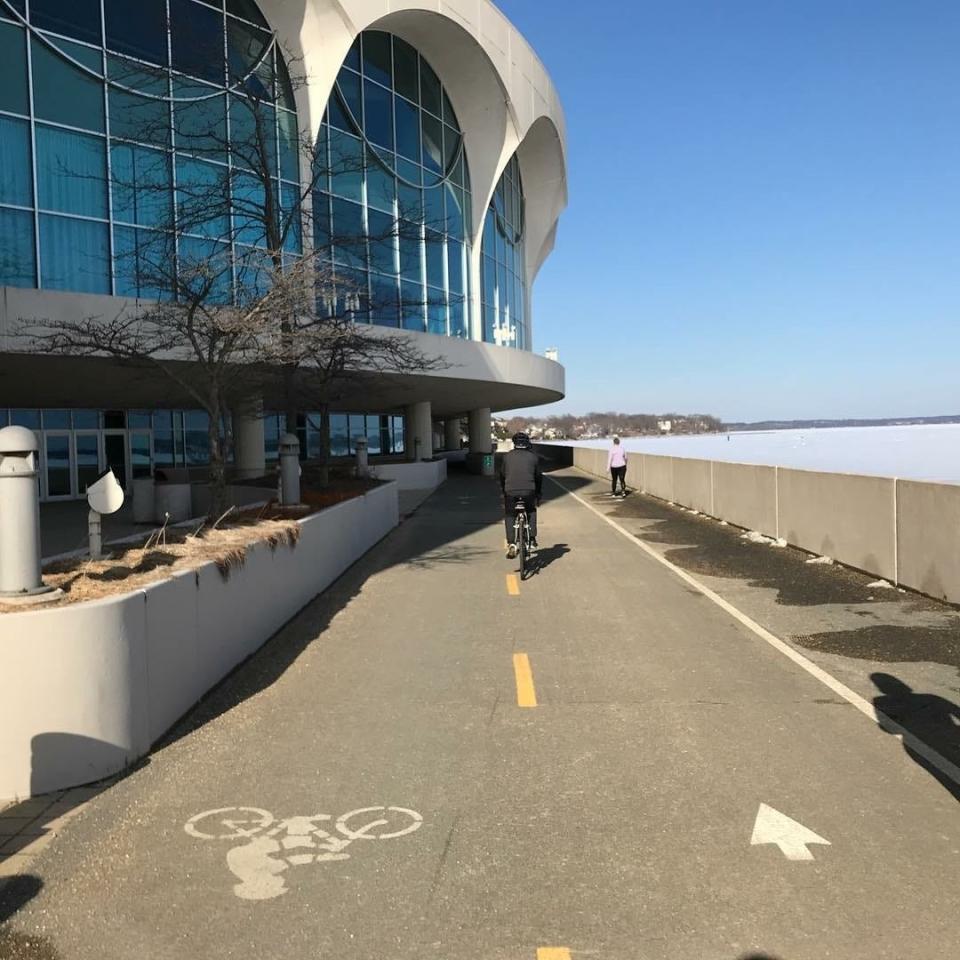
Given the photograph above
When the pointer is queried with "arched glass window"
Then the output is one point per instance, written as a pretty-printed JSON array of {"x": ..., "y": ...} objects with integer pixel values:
[
  {"x": 111, "y": 112},
  {"x": 392, "y": 204},
  {"x": 503, "y": 269}
]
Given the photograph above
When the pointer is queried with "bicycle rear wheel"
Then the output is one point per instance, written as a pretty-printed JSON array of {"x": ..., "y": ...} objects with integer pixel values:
[{"x": 523, "y": 547}]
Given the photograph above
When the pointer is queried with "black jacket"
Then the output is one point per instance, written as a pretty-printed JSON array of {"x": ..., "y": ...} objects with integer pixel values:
[{"x": 520, "y": 473}]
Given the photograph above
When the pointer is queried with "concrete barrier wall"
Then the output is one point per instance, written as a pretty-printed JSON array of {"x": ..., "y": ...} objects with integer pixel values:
[
  {"x": 693, "y": 483},
  {"x": 905, "y": 531},
  {"x": 928, "y": 538},
  {"x": 746, "y": 495},
  {"x": 844, "y": 516},
  {"x": 88, "y": 688}
]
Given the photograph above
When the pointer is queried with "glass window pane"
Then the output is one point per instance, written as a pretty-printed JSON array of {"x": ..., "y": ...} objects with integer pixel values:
[
  {"x": 142, "y": 187},
  {"x": 63, "y": 93},
  {"x": 410, "y": 202},
  {"x": 451, "y": 147},
  {"x": 200, "y": 122},
  {"x": 352, "y": 59},
  {"x": 13, "y": 69},
  {"x": 384, "y": 308},
  {"x": 140, "y": 455},
  {"x": 197, "y": 40},
  {"x": 433, "y": 208},
  {"x": 346, "y": 165},
  {"x": 249, "y": 58},
  {"x": 88, "y": 460},
  {"x": 339, "y": 437},
  {"x": 206, "y": 263},
  {"x": 436, "y": 312},
  {"x": 348, "y": 84},
  {"x": 448, "y": 115},
  {"x": 454, "y": 211},
  {"x": 58, "y": 465},
  {"x": 348, "y": 234},
  {"x": 17, "y": 253},
  {"x": 376, "y": 56},
  {"x": 455, "y": 266},
  {"x": 432, "y": 143},
  {"x": 71, "y": 172},
  {"x": 74, "y": 255},
  {"x": 289, "y": 146},
  {"x": 73, "y": 18},
  {"x": 16, "y": 182},
  {"x": 321, "y": 220},
  {"x": 5, "y": 14},
  {"x": 56, "y": 419},
  {"x": 435, "y": 258},
  {"x": 458, "y": 321},
  {"x": 86, "y": 419},
  {"x": 408, "y": 129},
  {"x": 203, "y": 197},
  {"x": 373, "y": 435},
  {"x": 114, "y": 419},
  {"x": 138, "y": 118},
  {"x": 429, "y": 89},
  {"x": 139, "y": 29},
  {"x": 411, "y": 257},
  {"x": 412, "y": 306},
  {"x": 381, "y": 189},
  {"x": 405, "y": 76},
  {"x": 382, "y": 241},
  {"x": 377, "y": 117},
  {"x": 25, "y": 418}
]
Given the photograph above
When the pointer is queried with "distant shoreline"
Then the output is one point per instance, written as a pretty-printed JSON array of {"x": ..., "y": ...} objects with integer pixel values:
[{"x": 852, "y": 422}]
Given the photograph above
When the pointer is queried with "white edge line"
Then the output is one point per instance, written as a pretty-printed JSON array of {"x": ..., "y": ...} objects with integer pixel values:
[{"x": 891, "y": 726}]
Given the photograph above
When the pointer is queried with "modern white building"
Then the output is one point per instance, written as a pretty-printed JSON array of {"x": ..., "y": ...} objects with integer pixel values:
[{"x": 448, "y": 111}]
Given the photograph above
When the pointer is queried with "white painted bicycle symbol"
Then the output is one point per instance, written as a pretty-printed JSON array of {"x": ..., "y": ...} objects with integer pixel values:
[{"x": 273, "y": 846}]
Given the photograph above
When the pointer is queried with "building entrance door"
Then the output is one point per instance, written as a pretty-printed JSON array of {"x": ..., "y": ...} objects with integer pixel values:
[{"x": 115, "y": 454}]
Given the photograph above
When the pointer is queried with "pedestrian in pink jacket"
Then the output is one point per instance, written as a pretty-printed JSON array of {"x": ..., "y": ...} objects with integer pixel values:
[{"x": 617, "y": 465}]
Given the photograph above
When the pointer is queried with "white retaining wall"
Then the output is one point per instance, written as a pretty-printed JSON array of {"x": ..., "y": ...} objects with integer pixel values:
[
  {"x": 906, "y": 531},
  {"x": 422, "y": 475},
  {"x": 87, "y": 688}
]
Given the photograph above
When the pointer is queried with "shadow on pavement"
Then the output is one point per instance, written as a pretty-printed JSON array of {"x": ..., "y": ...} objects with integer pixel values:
[
  {"x": 429, "y": 537},
  {"x": 16, "y": 892},
  {"x": 892, "y": 643},
  {"x": 547, "y": 555},
  {"x": 932, "y": 719}
]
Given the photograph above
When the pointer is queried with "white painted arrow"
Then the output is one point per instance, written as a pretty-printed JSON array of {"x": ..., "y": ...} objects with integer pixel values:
[{"x": 791, "y": 837}]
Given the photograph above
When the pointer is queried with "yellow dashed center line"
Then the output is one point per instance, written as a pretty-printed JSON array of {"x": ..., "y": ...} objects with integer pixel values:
[
  {"x": 553, "y": 953},
  {"x": 527, "y": 697},
  {"x": 513, "y": 585}
]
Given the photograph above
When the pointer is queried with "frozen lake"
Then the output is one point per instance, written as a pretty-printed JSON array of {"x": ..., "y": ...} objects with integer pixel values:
[{"x": 922, "y": 452}]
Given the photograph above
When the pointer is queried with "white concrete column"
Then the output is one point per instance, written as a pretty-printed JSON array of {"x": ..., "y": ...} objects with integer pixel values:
[
  {"x": 481, "y": 430},
  {"x": 249, "y": 448},
  {"x": 451, "y": 434},
  {"x": 419, "y": 431}
]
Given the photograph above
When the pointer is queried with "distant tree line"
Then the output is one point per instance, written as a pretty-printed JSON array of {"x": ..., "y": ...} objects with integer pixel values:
[{"x": 598, "y": 425}]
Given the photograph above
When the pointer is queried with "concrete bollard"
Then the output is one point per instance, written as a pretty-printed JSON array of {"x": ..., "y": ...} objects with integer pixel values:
[
  {"x": 289, "y": 470},
  {"x": 20, "y": 510},
  {"x": 363, "y": 461}
]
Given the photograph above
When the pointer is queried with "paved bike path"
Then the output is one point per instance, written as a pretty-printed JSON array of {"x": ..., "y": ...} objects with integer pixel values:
[{"x": 614, "y": 818}]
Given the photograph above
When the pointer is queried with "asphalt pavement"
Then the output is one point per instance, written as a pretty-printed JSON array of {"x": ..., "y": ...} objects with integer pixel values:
[{"x": 369, "y": 787}]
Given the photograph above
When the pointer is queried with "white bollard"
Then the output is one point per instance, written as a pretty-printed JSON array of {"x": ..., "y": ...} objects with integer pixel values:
[
  {"x": 289, "y": 470},
  {"x": 363, "y": 460},
  {"x": 20, "y": 509}
]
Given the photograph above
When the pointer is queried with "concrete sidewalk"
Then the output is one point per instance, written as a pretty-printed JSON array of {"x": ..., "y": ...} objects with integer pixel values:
[{"x": 368, "y": 786}]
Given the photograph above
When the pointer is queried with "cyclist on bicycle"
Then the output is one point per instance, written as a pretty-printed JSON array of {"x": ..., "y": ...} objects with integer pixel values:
[{"x": 520, "y": 478}]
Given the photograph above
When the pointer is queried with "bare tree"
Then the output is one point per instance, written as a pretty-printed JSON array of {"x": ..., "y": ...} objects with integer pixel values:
[{"x": 238, "y": 298}]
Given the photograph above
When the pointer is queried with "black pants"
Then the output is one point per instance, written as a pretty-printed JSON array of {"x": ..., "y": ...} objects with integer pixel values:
[
  {"x": 621, "y": 474},
  {"x": 510, "y": 513}
]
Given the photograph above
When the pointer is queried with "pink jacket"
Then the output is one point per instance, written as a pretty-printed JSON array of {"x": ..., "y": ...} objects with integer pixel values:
[{"x": 617, "y": 457}]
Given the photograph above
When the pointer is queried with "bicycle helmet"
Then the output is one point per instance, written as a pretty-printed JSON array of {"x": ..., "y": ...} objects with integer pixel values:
[{"x": 521, "y": 442}]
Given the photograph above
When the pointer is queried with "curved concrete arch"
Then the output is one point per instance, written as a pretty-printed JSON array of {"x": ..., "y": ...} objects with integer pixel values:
[{"x": 543, "y": 170}]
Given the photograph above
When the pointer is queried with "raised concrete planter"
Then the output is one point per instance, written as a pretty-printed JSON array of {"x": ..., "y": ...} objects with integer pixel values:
[
  {"x": 422, "y": 475},
  {"x": 88, "y": 688}
]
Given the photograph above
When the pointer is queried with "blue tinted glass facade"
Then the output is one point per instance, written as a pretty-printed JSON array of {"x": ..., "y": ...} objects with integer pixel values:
[
  {"x": 111, "y": 114},
  {"x": 503, "y": 265},
  {"x": 392, "y": 204}
]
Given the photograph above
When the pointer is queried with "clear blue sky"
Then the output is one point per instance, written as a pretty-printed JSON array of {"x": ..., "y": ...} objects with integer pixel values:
[{"x": 764, "y": 213}]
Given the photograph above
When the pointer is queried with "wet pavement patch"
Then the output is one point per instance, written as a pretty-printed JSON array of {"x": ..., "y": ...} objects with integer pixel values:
[
  {"x": 888, "y": 643},
  {"x": 705, "y": 546}
]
